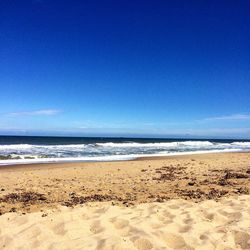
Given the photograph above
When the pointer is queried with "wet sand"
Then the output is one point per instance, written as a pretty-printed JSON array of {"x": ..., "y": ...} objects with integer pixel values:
[{"x": 178, "y": 202}]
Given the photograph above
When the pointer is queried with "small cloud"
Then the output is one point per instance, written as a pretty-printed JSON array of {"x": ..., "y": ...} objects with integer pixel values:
[
  {"x": 36, "y": 112},
  {"x": 234, "y": 117}
]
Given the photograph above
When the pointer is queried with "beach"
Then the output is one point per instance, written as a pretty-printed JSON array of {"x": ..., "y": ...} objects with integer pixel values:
[
  {"x": 124, "y": 125},
  {"x": 198, "y": 201}
]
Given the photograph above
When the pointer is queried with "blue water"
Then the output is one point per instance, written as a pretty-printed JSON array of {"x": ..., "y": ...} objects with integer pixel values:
[{"x": 29, "y": 149}]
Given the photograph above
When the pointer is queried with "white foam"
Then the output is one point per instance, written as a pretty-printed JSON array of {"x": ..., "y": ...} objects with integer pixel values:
[
  {"x": 176, "y": 144},
  {"x": 241, "y": 144},
  {"x": 68, "y": 159},
  {"x": 15, "y": 146},
  {"x": 110, "y": 151},
  {"x": 30, "y": 146},
  {"x": 157, "y": 144},
  {"x": 197, "y": 143},
  {"x": 63, "y": 146},
  {"x": 108, "y": 158}
]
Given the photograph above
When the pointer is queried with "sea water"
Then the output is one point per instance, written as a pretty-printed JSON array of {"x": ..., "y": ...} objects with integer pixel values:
[{"x": 34, "y": 149}]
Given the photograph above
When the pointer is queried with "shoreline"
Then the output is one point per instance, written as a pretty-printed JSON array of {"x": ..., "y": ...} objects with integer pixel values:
[{"x": 136, "y": 158}]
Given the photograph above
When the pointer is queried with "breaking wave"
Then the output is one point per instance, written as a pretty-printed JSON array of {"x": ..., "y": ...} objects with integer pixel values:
[{"x": 110, "y": 151}]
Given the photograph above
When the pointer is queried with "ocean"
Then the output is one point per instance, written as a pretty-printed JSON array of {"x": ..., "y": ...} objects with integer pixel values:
[{"x": 35, "y": 149}]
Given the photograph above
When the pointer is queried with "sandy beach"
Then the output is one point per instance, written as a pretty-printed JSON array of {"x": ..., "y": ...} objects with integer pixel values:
[
  {"x": 124, "y": 125},
  {"x": 177, "y": 202}
]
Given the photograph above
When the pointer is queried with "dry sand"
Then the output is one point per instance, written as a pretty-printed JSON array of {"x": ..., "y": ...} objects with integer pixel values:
[
  {"x": 174, "y": 224},
  {"x": 184, "y": 202}
]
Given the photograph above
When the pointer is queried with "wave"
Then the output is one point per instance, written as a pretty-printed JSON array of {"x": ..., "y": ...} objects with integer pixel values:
[
  {"x": 242, "y": 144},
  {"x": 71, "y": 147},
  {"x": 111, "y": 150},
  {"x": 196, "y": 144},
  {"x": 108, "y": 157},
  {"x": 156, "y": 144},
  {"x": 31, "y": 146}
]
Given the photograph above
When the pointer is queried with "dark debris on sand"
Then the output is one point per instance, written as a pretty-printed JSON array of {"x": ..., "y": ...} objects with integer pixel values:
[
  {"x": 169, "y": 173},
  {"x": 25, "y": 197},
  {"x": 75, "y": 200},
  {"x": 174, "y": 182},
  {"x": 198, "y": 194},
  {"x": 230, "y": 175}
]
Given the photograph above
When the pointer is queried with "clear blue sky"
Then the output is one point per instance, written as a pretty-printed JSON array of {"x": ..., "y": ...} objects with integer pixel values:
[{"x": 125, "y": 68}]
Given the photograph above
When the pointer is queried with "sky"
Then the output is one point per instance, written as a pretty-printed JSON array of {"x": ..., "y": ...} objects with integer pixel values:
[{"x": 125, "y": 68}]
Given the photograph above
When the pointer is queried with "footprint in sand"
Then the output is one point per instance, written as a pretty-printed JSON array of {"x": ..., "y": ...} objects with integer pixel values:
[
  {"x": 163, "y": 219},
  {"x": 59, "y": 229},
  {"x": 143, "y": 244},
  {"x": 36, "y": 244},
  {"x": 242, "y": 239},
  {"x": 119, "y": 247},
  {"x": 156, "y": 225},
  {"x": 208, "y": 216},
  {"x": 123, "y": 226},
  {"x": 188, "y": 221},
  {"x": 120, "y": 223},
  {"x": 223, "y": 216},
  {"x": 203, "y": 237},
  {"x": 234, "y": 216},
  {"x": 101, "y": 244},
  {"x": 174, "y": 207},
  {"x": 126, "y": 231},
  {"x": 184, "y": 229},
  {"x": 96, "y": 228},
  {"x": 168, "y": 215},
  {"x": 175, "y": 241}
]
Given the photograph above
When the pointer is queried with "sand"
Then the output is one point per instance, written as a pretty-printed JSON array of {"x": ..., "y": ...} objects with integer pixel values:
[
  {"x": 175, "y": 224},
  {"x": 181, "y": 202}
]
